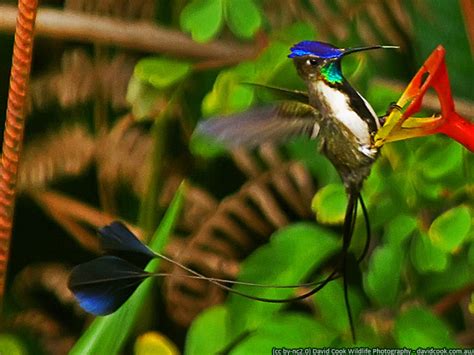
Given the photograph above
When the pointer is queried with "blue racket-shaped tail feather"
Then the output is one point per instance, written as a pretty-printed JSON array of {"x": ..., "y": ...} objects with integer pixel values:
[
  {"x": 118, "y": 240},
  {"x": 102, "y": 285}
]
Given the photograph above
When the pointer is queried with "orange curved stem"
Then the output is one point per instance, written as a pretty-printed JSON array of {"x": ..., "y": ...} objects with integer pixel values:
[{"x": 14, "y": 126}]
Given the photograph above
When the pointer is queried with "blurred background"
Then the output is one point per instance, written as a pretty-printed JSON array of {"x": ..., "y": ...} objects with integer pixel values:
[{"x": 116, "y": 90}]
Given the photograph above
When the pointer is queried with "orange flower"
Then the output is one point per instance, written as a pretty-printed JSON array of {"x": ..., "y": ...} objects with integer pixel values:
[{"x": 401, "y": 125}]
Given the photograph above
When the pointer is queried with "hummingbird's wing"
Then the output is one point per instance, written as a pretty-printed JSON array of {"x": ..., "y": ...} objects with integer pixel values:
[
  {"x": 275, "y": 123},
  {"x": 282, "y": 93}
]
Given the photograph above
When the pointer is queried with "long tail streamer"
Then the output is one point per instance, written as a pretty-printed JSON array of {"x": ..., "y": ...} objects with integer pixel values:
[{"x": 102, "y": 285}]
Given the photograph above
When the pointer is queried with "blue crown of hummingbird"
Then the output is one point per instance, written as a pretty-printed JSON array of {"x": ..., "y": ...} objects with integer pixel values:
[
  {"x": 313, "y": 48},
  {"x": 325, "y": 50}
]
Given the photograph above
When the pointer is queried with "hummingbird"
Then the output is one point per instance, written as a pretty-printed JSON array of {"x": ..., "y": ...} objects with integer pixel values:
[{"x": 332, "y": 111}]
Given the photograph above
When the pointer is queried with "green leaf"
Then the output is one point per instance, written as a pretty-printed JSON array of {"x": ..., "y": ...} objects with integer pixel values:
[
  {"x": 161, "y": 72},
  {"x": 399, "y": 229},
  {"x": 294, "y": 33},
  {"x": 385, "y": 211},
  {"x": 107, "y": 335},
  {"x": 209, "y": 332},
  {"x": 11, "y": 345},
  {"x": 451, "y": 229},
  {"x": 382, "y": 281},
  {"x": 457, "y": 275},
  {"x": 203, "y": 18},
  {"x": 243, "y": 17},
  {"x": 271, "y": 61},
  {"x": 154, "y": 343},
  {"x": 329, "y": 204},
  {"x": 380, "y": 95},
  {"x": 206, "y": 147},
  {"x": 374, "y": 184},
  {"x": 228, "y": 95},
  {"x": 291, "y": 255},
  {"x": 143, "y": 97},
  {"x": 439, "y": 158},
  {"x": 429, "y": 189},
  {"x": 470, "y": 255},
  {"x": 427, "y": 257},
  {"x": 418, "y": 327},
  {"x": 288, "y": 330},
  {"x": 331, "y": 308}
]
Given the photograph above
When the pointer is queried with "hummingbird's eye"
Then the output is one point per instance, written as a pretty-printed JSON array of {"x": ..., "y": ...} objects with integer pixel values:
[{"x": 312, "y": 62}]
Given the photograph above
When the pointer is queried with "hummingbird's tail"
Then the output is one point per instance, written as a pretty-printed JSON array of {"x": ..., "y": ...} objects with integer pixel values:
[
  {"x": 104, "y": 284},
  {"x": 368, "y": 237},
  {"x": 348, "y": 231}
]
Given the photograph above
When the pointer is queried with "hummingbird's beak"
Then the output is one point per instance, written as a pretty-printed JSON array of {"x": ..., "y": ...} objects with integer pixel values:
[{"x": 360, "y": 49}]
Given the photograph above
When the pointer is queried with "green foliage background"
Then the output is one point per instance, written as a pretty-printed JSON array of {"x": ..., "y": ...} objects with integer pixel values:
[{"x": 419, "y": 196}]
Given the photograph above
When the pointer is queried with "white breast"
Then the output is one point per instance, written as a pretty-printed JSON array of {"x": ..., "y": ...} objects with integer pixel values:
[
  {"x": 371, "y": 110},
  {"x": 338, "y": 103}
]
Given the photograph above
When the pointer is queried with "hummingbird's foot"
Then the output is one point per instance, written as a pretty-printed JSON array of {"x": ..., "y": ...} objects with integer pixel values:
[
  {"x": 392, "y": 107},
  {"x": 368, "y": 151}
]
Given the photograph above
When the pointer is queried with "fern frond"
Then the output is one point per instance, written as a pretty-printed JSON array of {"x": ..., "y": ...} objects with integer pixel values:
[
  {"x": 56, "y": 155},
  {"x": 238, "y": 225},
  {"x": 80, "y": 80}
]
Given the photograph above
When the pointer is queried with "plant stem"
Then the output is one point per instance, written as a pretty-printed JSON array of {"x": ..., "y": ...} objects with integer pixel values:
[
  {"x": 149, "y": 213},
  {"x": 15, "y": 126},
  {"x": 141, "y": 36}
]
